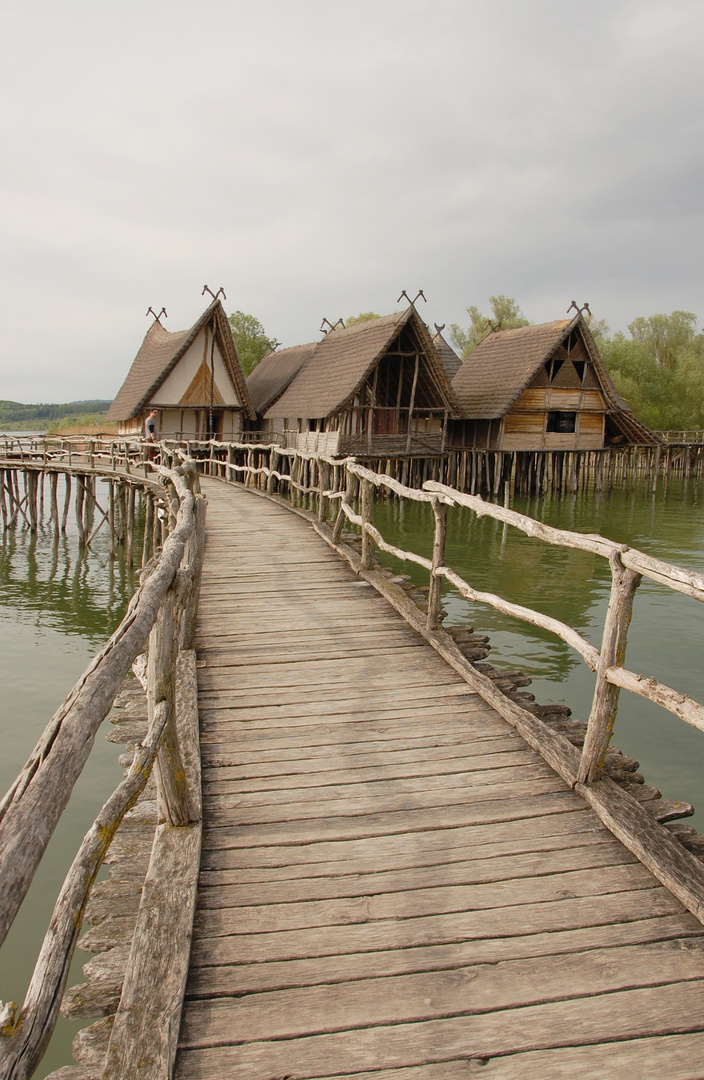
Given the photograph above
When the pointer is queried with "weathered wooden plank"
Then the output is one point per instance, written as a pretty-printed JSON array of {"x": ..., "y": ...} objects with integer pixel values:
[
  {"x": 414, "y": 903},
  {"x": 228, "y": 708},
  {"x": 425, "y": 847},
  {"x": 253, "y": 809},
  {"x": 622, "y": 1015},
  {"x": 145, "y": 1033},
  {"x": 393, "y": 821},
  {"x": 441, "y": 761},
  {"x": 280, "y": 754},
  {"x": 237, "y": 979},
  {"x": 464, "y": 715},
  {"x": 675, "y": 1057},
  {"x": 290, "y": 671},
  {"x": 545, "y": 916},
  {"x": 224, "y": 888},
  {"x": 463, "y": 991}
]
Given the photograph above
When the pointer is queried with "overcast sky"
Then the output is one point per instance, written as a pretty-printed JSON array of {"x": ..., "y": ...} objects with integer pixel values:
[{"x": 316, "y": 157}]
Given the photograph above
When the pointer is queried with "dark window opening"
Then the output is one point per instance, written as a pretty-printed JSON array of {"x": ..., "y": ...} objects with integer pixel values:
[
  {"x": 555, "y": 366},
  {"x": 579, "y": 366},
  {"x": 572, "y": 341},
  {"x": 562, "y": 422}
]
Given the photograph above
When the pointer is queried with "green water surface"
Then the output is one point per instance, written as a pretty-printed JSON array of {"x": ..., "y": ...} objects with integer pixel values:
[{"x": 57, "y": 608}]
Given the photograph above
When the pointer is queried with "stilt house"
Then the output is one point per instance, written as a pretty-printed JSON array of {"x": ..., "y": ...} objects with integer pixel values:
[
  {"x": 191, "y": 377},
  {"x": 374, "y": 389},
  {"x": 541, "y": 387}
]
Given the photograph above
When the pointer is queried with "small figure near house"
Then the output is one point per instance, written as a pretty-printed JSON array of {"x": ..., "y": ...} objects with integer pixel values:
[{"x": 150, "y": 426}]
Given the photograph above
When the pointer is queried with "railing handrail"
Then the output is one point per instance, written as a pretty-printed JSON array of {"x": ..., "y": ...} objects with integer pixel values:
[{"x": 33, "y": 805}]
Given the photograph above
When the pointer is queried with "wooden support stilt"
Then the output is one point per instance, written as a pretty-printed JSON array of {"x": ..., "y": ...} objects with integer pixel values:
[
  {"x": 129, "y": 545},
  {"x": 67, "y": 501},
  {"x": 3, "y": 501},
  {"x": 32, "y": 486},
  {"x": 111, "y": 516},
  {"x": 54, "y": 501},
  {"x": 80, "y": 498}
]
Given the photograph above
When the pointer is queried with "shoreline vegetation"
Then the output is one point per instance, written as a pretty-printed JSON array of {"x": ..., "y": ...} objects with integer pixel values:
[{"x": 71, "y": 418}]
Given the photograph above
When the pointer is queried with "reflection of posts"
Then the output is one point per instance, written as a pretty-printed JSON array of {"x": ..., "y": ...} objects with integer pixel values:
[{"x": 150, "y": 432}]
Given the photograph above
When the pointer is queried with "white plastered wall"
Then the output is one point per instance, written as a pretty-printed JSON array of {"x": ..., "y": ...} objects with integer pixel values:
[{"x": 174, "y": 387}]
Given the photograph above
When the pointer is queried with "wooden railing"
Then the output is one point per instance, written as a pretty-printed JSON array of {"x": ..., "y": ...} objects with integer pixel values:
[
  {"x": 161, "y": 617},
  {"x": 686, "y": 437},
  {"x": 333, "y": 492}
]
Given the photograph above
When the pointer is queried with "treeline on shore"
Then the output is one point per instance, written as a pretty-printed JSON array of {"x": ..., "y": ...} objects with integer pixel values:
[{"x": 15, "y": 416}]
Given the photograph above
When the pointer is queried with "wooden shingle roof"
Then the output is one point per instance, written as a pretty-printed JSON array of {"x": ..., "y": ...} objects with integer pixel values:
[
  {"x": 274, "y": 372},
  {"x": 341, "y": 363},
  {"x": 159, "y": 354}
]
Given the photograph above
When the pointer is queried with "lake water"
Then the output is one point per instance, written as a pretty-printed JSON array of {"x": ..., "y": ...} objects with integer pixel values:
[
  {"x": 665, "y": 636},
  {"x": 57, "y": 607}
]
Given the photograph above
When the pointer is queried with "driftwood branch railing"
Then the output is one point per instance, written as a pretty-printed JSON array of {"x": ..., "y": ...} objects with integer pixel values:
[
  {"x": 334, "y": 492},
  {"x": 160, "y": 617}
]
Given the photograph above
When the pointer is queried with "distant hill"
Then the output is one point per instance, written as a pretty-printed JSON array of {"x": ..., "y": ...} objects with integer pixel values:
[{"x": 15, "y": 415}]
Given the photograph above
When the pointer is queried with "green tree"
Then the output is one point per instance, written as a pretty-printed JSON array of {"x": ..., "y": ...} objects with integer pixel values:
[
  {"x": 364, "y": 316},
  {"x": 505, "y": 315},
  {"x": 659, "y": 370},
  {"x": 251, "y": 340},
  {"x": 665, "y": 336}
]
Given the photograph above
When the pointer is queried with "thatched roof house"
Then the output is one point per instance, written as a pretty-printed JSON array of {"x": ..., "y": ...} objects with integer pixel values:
[
  {"x": 542, "y": 387},
  {"x": 376, "y": 389},
  {"x": 274, "y": 372},
  {"x": 191, "y": 377}
]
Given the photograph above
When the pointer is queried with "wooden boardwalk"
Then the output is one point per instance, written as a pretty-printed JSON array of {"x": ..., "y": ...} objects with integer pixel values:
[{"x": 393, "y": 885}]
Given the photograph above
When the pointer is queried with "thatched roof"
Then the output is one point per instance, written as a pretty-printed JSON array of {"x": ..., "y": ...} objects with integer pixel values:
[
  {"x": 273, "y": 374},
  {"x": 500, "y": 368},
  {"x": 502, "y": 365},
  {"x": 342, "y": 362},
  {"x": 159, "y": 354},
  {"x": 447, "y": 356}
]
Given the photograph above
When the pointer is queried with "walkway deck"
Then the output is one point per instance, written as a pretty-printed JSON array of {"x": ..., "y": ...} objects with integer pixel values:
[{"x": 393, "y": 886}]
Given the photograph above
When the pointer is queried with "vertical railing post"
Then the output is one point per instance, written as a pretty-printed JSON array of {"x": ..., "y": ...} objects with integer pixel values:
[
  {"x": 367, "y": 511},
  {"x": 613, "y": 652},
  {"x": 193, "y": 559},
  {"x": 435, "y": 591},
  {"x": 323, "y": 475},
  {"x": 347, "y": 498},
  {"x": 273, "y": 462}
]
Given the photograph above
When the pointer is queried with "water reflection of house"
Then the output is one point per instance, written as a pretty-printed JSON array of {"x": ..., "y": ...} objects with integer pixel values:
[
  {"x": 191, "y": 377},
  {"x": 375, "y": 389},
  {"x": 541, "y": 387}
]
